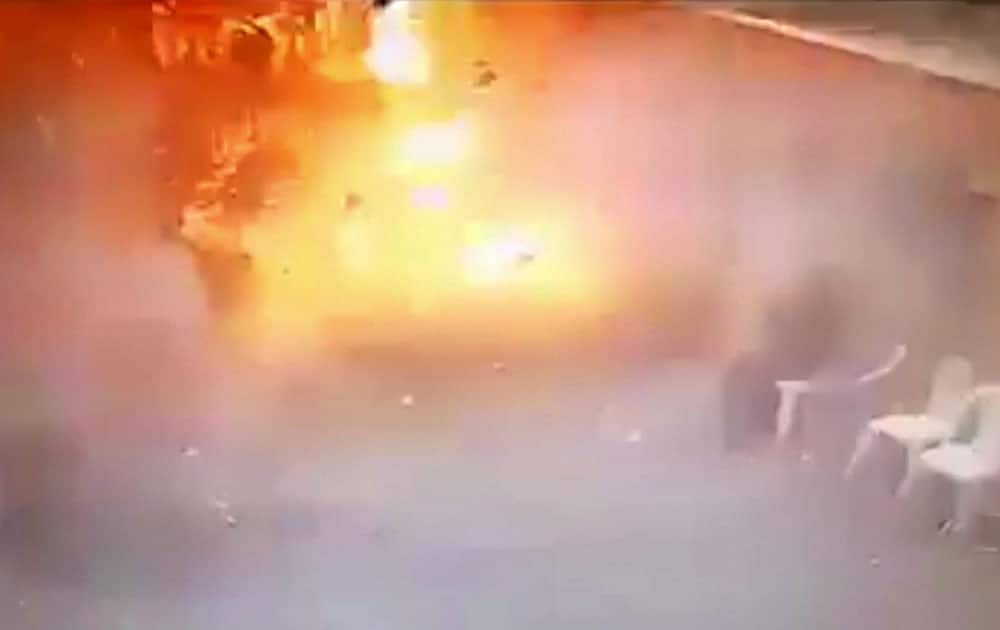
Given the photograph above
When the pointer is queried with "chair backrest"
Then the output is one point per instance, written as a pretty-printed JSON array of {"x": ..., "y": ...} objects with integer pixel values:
[
  {"x": 951, "y": 388},
  {"x": 987, "y": 438}
]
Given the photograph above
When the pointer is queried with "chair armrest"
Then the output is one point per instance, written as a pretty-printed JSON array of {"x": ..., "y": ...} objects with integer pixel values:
[
  {"x": 796, "y": 387},
  {"x": 813, "y": 387},
  {"x": 819, "y": 387},
  {"x": 898, "y": 354}
]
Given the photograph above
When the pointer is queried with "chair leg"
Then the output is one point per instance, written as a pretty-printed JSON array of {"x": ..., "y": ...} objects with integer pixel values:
[
  {"x": 916, "y": 471},
  {"x": 864, "y": 445},
  {"x": 786, "y": 414},
  {"x": 968, "y": 496}
]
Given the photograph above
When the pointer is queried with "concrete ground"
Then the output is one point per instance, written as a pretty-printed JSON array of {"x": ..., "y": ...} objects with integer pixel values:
[{"x": 558, "y": 497}]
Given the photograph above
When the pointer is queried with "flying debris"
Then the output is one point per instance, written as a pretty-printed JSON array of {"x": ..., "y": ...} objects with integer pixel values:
[
  {"x": 485, "y": 79},
  {"x": 352, "y": 201}
]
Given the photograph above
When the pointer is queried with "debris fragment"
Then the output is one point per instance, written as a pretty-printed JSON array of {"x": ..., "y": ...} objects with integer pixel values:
[
  {"x": 406, "y": 401},
  {"x": 485, "y": 79},
  {"x": 190, "y": 451},
  {"x": 875, "y": 562},
  {"x": 806, "y": 457},
  {"x": 499, "y": 366},
  {"x": 634, "y": 436},
  {"x": 231, "y": 520},
  {"x": 352, "y": 201},
  {"x": 987, "y": 549}
]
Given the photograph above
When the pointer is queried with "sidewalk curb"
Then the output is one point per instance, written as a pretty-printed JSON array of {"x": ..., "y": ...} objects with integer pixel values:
[{"x": 887, "y": 48}]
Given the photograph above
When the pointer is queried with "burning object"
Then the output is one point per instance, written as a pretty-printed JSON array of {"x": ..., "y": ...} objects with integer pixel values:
[
  {"x": 436, "y": 144},
  {"x": 396, "y": 55},
  {"x": 494, "y": 260}
]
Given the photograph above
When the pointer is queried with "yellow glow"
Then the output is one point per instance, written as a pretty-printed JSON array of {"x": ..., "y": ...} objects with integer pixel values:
[
  {"x": 430, "y": 198},
  {"x": 450, "y": 246},
  {"x": 200, "y": 227},
  {"x": 322, "y": 274},
  {"x": 396, "y": 55},
  {"x": 354, "y": 246},
  {"x": 436, "y": 144},
  {"x": 496, "y": 259}
]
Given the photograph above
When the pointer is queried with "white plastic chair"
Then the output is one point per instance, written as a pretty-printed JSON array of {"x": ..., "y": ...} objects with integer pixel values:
[
  {"x": 951, "y": 394},
  {"x": 969, "y": 465},
  {"x": 792, "y": 391}
]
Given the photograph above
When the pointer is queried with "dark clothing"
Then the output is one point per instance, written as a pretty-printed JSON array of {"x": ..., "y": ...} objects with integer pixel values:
[
  {"x": 254, "y": 174},
  {"x": 749, "y": 399},
  {"x": 801, "y": 334},
  {"x": 253, "y": 49}
]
